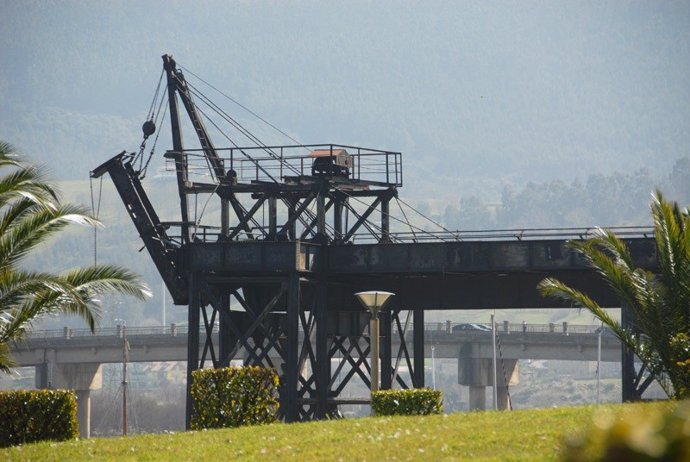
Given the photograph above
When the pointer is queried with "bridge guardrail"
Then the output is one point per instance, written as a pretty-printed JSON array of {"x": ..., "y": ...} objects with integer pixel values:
[{"x": 430, "y": 327}]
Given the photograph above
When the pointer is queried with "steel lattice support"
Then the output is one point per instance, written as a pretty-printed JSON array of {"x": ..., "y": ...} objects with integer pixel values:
[{"x": 192, "y": 341}]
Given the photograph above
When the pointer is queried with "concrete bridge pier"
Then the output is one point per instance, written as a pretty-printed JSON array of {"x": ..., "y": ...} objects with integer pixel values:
[
  {"x": 478, "y": 398},
  {"x": 477, "y": 374},
  {"x": 82, "y": 378}
]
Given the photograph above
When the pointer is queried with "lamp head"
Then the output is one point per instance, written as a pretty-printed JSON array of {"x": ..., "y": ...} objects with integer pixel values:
[{"x": 374, "y": 300}]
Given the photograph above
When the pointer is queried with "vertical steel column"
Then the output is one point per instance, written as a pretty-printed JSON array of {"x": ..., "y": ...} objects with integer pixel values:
[
  {"x": 629, "y": 393},
  {"x": 337, "y": 219},
  {"x": 386, "y": 350},
  {"x": 224, "y": 217},
  {"x": 418, "y": 347},
  {"x": 272, "y": 217},
  {"x": 292, "y": 366},
  {"x": 321, "y": 216},
  {"x": 226, "y": 339},
  {"x": 178, "y": 145},
  {"x": 374, "y": 341},
  {"x": 323, "y": 361},
  {"x": 292, "y": 229},
  {"x": 192, "y": 341},
  {"x": 385, "y": 220}
]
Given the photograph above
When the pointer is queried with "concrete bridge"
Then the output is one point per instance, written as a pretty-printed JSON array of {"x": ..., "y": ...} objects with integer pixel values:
[
  {"x": 169, "y": 343},
  {"x": 72, "y": 358}
]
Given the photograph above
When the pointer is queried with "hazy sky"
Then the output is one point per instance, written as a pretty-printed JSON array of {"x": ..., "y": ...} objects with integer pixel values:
[{"x": 470, "y": 92}]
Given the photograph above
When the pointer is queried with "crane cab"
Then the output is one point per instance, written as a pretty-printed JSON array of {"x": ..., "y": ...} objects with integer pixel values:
[{"x": 333, "y": 162}]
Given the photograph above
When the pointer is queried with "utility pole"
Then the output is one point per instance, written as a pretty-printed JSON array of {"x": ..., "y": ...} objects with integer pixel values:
[
  {"x": 165, "y": 328},
  {"x": 125, "y": 357},
  {"x": 494, "y": 363}
]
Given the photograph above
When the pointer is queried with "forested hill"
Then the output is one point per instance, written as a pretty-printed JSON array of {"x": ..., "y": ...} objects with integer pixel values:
[{"x": 477, "y": 95}]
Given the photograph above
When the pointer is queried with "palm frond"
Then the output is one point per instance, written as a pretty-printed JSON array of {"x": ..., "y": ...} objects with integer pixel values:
[
  {"x": 32, "y": 229},
  {"x": 6, "y": 362},
  {"x": 102, "y": 279},
  {"x": 551, "y": 287},
  {"x": 615, "y": 272},
  {"x": 25, "y": 296},
  {"x": 26, "y": 182},
  {"x": 659, "y": 303},
  {"x": 30, "y": 213},
  {"x": 672, "y": 234}
]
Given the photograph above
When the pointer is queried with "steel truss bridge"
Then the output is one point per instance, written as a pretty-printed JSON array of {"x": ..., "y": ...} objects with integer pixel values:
[{"x": 329, "y": 232}]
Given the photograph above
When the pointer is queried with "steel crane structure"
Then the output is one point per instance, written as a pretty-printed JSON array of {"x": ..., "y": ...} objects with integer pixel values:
[
  {"x": 269, "y": 269},
  {"x": 299, "y": 229}
]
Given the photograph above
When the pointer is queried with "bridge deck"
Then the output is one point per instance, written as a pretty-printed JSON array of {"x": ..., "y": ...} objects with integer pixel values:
[
  {"x": 439, "y": 275},
  {"x": 152, "y": 344}
]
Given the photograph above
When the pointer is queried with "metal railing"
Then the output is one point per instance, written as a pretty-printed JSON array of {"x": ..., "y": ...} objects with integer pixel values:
[
  {"x": 527, "y": 234},
  {"x": 274, "y": 163},
  {"x": 207, "y": 233},
  {"x": 431, "y": 327}
]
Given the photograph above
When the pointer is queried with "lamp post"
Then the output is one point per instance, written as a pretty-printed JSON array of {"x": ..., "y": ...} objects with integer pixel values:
[
  {"x": 374, "y": 300},
  {"x": 493, "y": 362},
  {"x": 125, "y": 358}
]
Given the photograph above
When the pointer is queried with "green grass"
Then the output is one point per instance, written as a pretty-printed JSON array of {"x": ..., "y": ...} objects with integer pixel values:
[{"x": 530, "y": 435}]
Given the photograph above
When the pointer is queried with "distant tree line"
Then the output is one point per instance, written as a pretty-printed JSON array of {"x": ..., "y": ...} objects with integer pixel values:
[{"x": 601, "y": 200}]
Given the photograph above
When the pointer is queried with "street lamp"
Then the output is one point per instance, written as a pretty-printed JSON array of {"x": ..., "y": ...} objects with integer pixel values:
[{"x": 373, "y": 300}]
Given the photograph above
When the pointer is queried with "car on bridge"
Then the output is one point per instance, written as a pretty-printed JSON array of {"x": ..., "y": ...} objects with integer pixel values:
[{"x": 471, "y": 327}]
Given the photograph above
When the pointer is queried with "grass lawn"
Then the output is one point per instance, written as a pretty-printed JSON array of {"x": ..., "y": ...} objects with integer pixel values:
[{"x": 529, "y": 435}]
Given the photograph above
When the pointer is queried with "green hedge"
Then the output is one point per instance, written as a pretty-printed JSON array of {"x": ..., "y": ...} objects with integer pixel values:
[
  {"x": 35, "y": 415},
  {"x": 234, "y": 396},
  {"x": 417, "y": 401}
]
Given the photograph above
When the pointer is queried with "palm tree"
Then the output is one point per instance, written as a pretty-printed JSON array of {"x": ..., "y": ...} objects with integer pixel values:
[
  {"x": 659, "y": 302},
  {"x": 30, "y": 213}
]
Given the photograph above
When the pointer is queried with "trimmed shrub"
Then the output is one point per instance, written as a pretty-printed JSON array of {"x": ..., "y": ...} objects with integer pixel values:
[
  {"x": 234, "y": 396},
  {"x": 416, "y": 401},
  {"x": 36, "y": 415},
  {"x": 637, "y": 433}
]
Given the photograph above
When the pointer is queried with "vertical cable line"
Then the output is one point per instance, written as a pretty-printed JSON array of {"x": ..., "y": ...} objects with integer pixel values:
[
  {"x": 152, "y": 116},
  {"x": 144, "y": 169},
  {"x": 95, "y": 211},
  {"x": 149, "y": 116},
  {"x": 503, "y": 367}
]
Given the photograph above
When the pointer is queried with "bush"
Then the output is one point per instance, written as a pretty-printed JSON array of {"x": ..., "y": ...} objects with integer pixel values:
[
  {"x": 36, "y": 415},
  {"x": 638, "y": 433},
  {"x": 234, "y": 396},
  {"x": 417, "y": 401}
]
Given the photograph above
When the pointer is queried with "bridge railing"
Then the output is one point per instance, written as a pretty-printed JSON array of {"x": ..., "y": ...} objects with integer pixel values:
[
  {"x": 116, "y": 331},
  {"x": 449, "y": 327},
  {"x": 525, "y": 234},
  {"x": 506, "y": 327}
]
